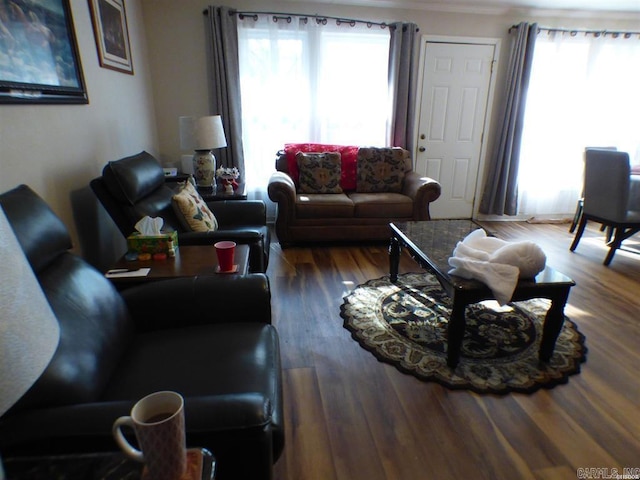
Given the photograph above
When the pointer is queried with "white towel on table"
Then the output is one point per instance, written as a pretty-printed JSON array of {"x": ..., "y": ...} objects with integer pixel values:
[{"x": 497, "y": 263}]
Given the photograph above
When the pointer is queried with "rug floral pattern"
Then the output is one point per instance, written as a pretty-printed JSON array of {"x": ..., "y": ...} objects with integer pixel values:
[{"x": 405, "y": 324}]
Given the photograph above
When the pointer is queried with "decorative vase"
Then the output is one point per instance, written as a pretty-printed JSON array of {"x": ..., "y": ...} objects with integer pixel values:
[{"x": 204, "y": 168}]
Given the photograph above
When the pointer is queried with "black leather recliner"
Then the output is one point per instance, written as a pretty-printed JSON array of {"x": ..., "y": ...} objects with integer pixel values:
[
  {"x": 209, "y": 338},
  {"x": 133, "y": 187}
]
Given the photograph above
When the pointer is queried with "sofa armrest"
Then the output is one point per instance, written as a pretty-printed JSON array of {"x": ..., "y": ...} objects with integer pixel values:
[
  {"x": 200, "y": 300},
  {"x": 239, "y": 234},
  {"x": 235, "y": 212},
  {"x": 87, "y": 427},
  {"x": 282, "y": 190},
  {"x": 423, "y": 190}
]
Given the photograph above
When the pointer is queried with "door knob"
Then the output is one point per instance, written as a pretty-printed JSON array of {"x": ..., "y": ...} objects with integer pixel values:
[{"x": 421, "y": 149}]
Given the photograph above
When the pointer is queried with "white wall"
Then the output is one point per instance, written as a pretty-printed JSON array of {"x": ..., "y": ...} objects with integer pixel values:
[{"x": 58, "y": 149}]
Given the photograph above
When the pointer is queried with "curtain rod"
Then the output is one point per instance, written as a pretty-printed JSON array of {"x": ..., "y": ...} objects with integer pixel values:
[
  {"x": 574, "y": 31},
  {"x": 320, "y": 19}
]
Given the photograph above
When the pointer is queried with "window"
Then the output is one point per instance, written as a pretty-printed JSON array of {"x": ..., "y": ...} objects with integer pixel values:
[
  {"x": 583, "y": 93},
  {"x": 304, "y": 82}
]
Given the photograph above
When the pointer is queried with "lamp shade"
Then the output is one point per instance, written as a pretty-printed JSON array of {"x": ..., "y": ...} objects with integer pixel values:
[
  {"x": 29, "y": 331},
  {"x": 209, "y": 133}
]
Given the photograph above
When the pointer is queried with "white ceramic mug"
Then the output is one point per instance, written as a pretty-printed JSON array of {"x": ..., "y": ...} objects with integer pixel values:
[{"x": 158, "y": 422}]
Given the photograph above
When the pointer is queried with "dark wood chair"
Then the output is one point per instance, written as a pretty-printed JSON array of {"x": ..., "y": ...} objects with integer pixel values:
[{"x": 607, "y": 185}]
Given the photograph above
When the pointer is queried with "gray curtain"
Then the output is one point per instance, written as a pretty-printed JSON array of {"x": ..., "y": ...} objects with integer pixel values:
[
  {"x": 500, "y": 193},
  {"x": 402, "y": 72},
  {"x": 224, "y": 81}
]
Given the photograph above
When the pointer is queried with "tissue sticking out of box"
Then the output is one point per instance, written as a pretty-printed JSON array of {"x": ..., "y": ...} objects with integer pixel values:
[
  {"x": 149, "y": 226},
  {"x": 149, "y": 242}
]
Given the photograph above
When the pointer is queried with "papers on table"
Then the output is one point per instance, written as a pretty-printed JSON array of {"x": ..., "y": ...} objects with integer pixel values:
[{"x": 125, "y": 273}]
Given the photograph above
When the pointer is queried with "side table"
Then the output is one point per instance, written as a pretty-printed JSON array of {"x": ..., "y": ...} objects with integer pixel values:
[
  {"x": 100, "y": 466},
  {"x": 190, "y": 261},
  {"x": 217, "y": 194},
  {"x": 211, "y": 194}
]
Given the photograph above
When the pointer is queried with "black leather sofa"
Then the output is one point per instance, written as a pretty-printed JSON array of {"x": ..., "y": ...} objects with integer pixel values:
[
  {"x": 209, "y": 338},
  {"x": 133, "y": 187}
]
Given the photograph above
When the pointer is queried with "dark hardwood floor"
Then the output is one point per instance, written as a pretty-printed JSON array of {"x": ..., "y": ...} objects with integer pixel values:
[{"x": 350, "y": 417}]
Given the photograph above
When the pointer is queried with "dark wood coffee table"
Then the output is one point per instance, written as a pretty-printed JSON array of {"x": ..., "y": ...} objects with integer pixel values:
[
  {"x": 190, "y": 261},
  {"x": 431, "y": 243}
]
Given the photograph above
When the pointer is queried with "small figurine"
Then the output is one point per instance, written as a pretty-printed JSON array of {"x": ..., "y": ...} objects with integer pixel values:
[{"x": 229, "y": 178}]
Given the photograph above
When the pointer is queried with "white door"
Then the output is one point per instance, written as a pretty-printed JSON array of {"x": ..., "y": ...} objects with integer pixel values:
[{"x": 456, "y": 79}]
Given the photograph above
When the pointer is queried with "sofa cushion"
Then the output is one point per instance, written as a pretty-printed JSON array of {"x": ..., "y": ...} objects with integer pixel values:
[
  {"x": 382, "y": 205},
  {"x": 132, "y": 178},
  {"x": 348, "y": 165},
  {"x": 319, "y": 172},
  {"x": 320, "y": 205},
  {"x": 95, "y": 329},
  {"x": 380, "y": 170},
  {"x": 192, "y": 211},
  {"x": 94, "y": 323},
  {"x": 30, "y": 216}
]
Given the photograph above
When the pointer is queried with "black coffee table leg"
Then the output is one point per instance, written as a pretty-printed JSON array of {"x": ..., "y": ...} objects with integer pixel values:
[
  {"x": 394, "y": 259},
  {"x": 553, "y": 324},
  {"x": 455, "y": 333}
]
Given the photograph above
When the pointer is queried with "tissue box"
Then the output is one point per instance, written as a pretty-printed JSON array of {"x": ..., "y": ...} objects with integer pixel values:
[{"x": 164, "y": 243}]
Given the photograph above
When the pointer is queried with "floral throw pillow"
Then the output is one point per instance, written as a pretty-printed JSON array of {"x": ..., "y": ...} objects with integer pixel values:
[
  {"x": 192, "y": 211},
  {"x": 319, "y": 172},
  {"x": 380, "y": 170},
  {"x": 349, "y": 153}
]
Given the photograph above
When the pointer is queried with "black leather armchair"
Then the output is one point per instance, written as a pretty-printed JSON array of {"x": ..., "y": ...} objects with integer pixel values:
[
  {"x": 133, "y": 187},
  {"x": 209, "y": 338}
]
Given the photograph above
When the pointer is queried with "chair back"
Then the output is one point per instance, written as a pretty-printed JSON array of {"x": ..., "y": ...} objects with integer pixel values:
[
  {"x": 606, "y": 184},
  {"x": 95, "y": 327},
  {"x": 132, "y": 188}
]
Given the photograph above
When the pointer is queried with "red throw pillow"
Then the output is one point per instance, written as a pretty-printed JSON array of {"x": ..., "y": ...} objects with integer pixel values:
[{"x": 349, "y": 154}]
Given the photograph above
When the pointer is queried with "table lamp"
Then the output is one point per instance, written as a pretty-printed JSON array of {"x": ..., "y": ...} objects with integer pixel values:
[
  {"x": 29, "y": 331},
  {"x": 202, "y": 135}
]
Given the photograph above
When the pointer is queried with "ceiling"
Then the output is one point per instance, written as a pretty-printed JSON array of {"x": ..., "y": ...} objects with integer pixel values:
[{"x": 500, "y": 6}]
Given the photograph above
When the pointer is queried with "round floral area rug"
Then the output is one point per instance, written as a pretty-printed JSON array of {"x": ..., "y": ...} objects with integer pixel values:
[{"x": 405, "y": 324}]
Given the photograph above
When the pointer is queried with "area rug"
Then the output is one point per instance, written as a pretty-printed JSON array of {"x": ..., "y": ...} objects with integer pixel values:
[{"x": 405, "y": 324}]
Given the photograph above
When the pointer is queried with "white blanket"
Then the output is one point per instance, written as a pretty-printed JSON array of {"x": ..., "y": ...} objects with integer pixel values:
[{"x": 495, "y": 262}]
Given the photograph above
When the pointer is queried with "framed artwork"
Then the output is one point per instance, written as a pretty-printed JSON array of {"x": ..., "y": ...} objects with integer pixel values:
[
  {"x": 112, "y": 35},
  {"x": 39, "y": 60}
]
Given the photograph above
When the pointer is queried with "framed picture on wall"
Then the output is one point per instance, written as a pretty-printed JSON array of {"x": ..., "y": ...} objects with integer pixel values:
[
  {"x": 39, "y": 60},
  {"x": 112, "y": 35}
]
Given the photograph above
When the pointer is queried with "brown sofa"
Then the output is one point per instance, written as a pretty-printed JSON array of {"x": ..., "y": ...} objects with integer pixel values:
[{"x": 366, "y": 204}]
